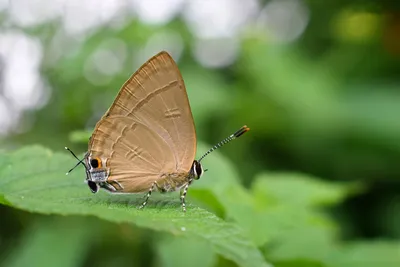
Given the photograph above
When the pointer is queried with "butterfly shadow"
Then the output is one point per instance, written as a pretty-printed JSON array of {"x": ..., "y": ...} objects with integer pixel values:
[{"x": 156, "y": 201}]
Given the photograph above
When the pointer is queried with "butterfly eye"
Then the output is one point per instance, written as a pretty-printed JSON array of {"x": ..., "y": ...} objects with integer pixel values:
[
  {"x": 95, "y": 163},
  {"x": 199, "y": 170}
]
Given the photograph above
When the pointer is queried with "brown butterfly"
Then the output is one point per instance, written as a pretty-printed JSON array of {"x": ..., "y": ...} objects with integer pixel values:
[{"x": 146, "y": 141}]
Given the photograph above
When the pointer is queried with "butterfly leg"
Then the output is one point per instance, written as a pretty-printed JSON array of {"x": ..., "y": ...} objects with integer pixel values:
[
  {"x": 183, "y": 195},
  {"x": 149, "y": 194}
]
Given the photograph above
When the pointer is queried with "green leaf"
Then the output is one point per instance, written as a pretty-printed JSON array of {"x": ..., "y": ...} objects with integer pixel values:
[
  {"x": 285, "y": 207},
  {"x": 366, "y": 254},
  {"x": 289, "y": 208},
  {"x": 298, "y": 263},
  {"x": 41, "y": 246},
  {"x": 185, "y": 252},
  {"x": 301, "y": 190},
  {"x": 33, "y": 179}
]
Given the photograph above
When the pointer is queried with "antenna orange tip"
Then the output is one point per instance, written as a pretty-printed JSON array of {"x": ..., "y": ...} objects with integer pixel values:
[{"x": 241, "y": 131}]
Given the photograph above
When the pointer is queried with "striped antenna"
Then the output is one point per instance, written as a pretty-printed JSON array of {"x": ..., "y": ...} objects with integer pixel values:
[{"x": 233, "y": 136}]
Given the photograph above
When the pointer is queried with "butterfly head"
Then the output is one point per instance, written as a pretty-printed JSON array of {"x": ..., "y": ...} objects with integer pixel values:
[
  {"x": 96, "y": 173},
  {"x": 196, "y": 170}
]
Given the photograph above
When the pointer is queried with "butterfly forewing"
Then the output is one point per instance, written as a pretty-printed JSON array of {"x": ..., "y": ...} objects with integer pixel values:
[
  {"x": 156, "y": 96},
  {"x": 149, "y": 129}
]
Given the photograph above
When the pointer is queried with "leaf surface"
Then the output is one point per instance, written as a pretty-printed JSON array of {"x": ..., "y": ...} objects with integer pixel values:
[{"x": 33, "y": 179}]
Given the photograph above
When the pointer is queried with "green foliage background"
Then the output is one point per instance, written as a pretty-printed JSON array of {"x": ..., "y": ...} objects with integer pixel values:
[{"x": 314, "y": 183}]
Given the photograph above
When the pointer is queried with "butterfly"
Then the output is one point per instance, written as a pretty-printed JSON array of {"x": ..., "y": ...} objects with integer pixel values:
[{"x": 146, "y": 141}]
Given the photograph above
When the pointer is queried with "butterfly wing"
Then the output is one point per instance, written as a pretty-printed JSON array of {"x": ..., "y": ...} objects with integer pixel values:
[
  {"x": 156, "y": 96},
  {"x": 149, "y": 129},
  {"x": 133, "y": 153}
]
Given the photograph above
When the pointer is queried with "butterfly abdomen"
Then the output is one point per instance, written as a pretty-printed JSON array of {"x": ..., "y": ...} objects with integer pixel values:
[{"x": 172, "y": 182}]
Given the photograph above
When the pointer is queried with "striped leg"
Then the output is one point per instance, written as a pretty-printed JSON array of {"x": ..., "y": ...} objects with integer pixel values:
[
  {"x": 183, "y": 195},
  {"x": 148, "y": 194}
]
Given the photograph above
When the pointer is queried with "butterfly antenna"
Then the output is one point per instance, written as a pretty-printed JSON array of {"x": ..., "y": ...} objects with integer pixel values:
[
  {"x": 233, "y": 136},
  {"x": 80, "y": 161}
]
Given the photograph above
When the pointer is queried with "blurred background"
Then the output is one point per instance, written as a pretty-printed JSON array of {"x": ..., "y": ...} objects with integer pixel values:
[{"x": 316, "y": 81}]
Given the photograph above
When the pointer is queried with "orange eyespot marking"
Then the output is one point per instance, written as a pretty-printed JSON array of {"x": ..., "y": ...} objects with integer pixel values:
[{"x": 95, "y": 163}]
